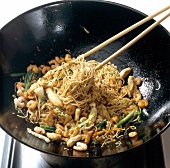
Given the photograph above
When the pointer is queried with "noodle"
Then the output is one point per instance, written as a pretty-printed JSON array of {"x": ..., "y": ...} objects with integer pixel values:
[{"x": 72, "y": 95}]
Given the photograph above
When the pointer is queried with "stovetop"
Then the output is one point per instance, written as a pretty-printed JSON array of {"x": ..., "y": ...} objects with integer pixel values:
[{"x": 13, "y": 154}]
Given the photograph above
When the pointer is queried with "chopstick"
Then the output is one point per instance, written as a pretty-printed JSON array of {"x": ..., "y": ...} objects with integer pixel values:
[
  {"x": 125, "y": 31},
  {"x": 129, "y": 44}
]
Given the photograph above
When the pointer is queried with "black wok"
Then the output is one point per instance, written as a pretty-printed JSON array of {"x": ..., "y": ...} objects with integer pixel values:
[{"x": 40, "y": 34}]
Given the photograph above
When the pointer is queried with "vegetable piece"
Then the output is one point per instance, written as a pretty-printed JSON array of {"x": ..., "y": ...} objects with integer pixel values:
[
  {"x": 93, "y": 114},
  {"x": 48, "y": 128},
  {"x": 127, "y": 118},
  {"x": 27, "y": 80},
  {"x": 53, "y": 97},
  {"x": 82, "y": 122},
  {"x": 102, "y": 124},
  {"x": 17, "y": 74},
  {"x": 38, "y": 75},
  {"x": 40, "y": 93}
]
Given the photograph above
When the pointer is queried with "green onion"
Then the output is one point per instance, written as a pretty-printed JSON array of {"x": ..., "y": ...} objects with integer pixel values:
[
  {"x": 102, "y": 124},
  {"x": 27, "y": 80},
  {"x": 126, "y": 119},
  {"x": 17, "y": 74},
  {"x": 38, "y": 75},
  {"x": 48, "y": 128}
]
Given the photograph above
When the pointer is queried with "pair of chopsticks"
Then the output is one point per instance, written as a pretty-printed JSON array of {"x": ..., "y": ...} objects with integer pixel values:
[{"x": 115, "y": 37}]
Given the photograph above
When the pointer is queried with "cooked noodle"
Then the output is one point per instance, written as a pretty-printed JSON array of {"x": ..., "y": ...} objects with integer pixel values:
[{"x": 72, "y": 95}]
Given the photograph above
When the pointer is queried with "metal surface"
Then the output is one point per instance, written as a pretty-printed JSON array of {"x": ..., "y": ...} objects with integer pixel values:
[{"x": 16, "y": 155}]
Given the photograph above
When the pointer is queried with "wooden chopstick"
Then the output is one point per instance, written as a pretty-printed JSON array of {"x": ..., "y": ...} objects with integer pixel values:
[
  {"x": 132, "y": 41},
  {"x": 115, "y": 37}
]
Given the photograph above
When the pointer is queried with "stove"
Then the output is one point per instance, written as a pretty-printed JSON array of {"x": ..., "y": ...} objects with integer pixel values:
[{"x": 13, "y": 154}]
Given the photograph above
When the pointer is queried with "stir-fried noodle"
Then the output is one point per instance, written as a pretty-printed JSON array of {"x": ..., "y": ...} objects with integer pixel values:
[{"x": 71, "y": 101}]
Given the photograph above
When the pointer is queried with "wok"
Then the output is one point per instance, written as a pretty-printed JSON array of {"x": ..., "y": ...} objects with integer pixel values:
[{"x": 40, "y": 34}]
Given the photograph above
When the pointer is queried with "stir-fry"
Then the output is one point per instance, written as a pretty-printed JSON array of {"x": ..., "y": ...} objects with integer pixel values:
[{"x": 70, "y": 101}]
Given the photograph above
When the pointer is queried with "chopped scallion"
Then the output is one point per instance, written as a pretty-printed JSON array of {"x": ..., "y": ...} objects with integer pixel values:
[
  {"x": 48, "y": 128},
  {"x": 17, "y": 74},
  {"x": 126, "y": 119},
  {"x": 27, "y": 80},
  {"x": 102, "y": 124}
]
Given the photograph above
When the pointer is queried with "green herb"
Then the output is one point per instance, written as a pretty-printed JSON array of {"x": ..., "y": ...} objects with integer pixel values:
[
  {"x": 17, "y": 74},
  {"x": 38, "y": 75},
  {"x": 27, "y": 80},
  {"x": 126, "y": 119},
  {"x": 102, "y": 124},
  {"x": 48, "y": 128}
]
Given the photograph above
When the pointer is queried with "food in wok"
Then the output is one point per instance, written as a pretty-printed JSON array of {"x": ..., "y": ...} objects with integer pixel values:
[
  {"x": 36, "y": 36},
  {"x": 69, "y": 100}
]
